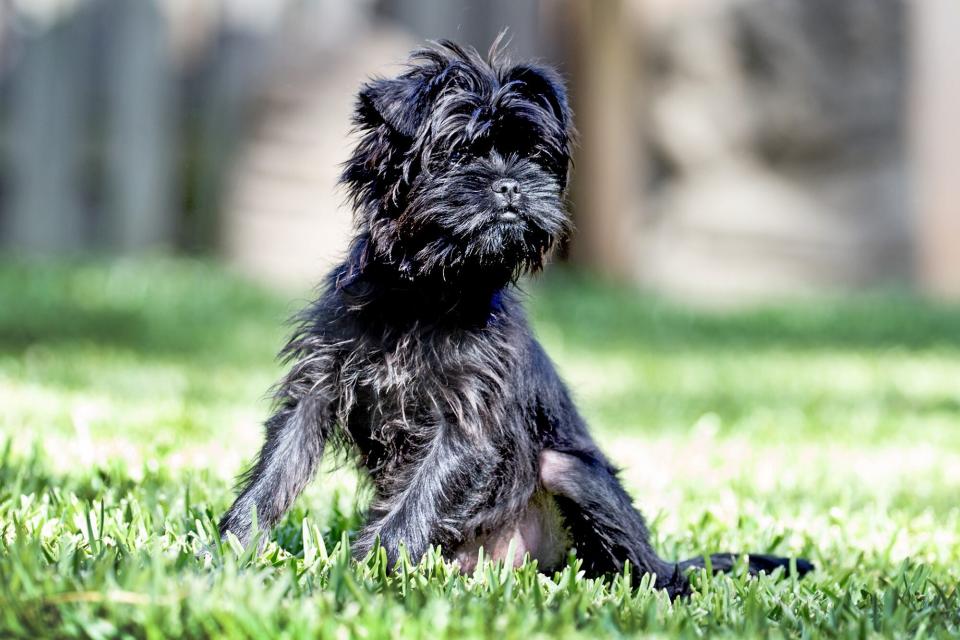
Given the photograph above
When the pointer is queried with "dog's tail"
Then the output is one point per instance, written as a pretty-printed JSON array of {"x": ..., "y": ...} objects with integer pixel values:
[{"x": 756, "y": 562}]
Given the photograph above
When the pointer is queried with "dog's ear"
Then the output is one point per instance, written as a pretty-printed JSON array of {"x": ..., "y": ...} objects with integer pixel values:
[
  {"x": 544, "y": 85},
  {"x": 398, "y": 102}
]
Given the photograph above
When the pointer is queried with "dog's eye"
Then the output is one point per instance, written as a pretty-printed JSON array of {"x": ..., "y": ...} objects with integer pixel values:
[{"x": 457, "y": 157}]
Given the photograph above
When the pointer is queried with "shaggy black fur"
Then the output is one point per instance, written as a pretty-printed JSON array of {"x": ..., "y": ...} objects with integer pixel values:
[{"x": 417, "y": 356}]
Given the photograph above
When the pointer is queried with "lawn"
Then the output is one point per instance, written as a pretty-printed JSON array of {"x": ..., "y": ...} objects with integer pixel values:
[{"x": 131, "y": 393}]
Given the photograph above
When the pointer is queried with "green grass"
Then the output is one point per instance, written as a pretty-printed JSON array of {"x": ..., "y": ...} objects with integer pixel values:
[{"x": 131, "y": 393}]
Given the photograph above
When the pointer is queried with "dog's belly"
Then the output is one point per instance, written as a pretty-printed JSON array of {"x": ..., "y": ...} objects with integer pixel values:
[{"x": 539, "y": 531}]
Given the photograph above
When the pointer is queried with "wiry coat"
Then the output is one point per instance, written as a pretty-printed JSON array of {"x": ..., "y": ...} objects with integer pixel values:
[{"x": 417, "y": 356}]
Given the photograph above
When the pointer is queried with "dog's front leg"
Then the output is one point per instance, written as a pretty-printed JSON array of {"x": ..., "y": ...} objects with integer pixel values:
[
  {"x": 434, "y": 504},
  {"x": 295, "y": 438}
]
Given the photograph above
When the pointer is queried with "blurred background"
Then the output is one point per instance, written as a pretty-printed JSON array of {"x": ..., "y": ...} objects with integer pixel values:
[
  {"x": 731, "y": 150},
  {"x": 758, "y": 315}
]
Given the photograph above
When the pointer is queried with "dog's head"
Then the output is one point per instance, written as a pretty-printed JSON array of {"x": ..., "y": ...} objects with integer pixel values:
[{"x": 461, "y": 166}]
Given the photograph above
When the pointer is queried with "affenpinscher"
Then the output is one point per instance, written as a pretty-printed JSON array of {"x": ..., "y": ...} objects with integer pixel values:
[{"x": 417, "y": 356}]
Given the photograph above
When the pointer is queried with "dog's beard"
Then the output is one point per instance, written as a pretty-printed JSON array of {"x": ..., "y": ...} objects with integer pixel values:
[{"x": 456, "y": 224}]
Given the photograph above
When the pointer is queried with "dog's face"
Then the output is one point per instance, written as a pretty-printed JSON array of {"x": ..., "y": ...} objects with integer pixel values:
[{"x": 462, "y": 166}]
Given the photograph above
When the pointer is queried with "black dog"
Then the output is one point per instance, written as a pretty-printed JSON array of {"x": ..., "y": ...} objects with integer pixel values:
[{"x": 417, "y": 356}]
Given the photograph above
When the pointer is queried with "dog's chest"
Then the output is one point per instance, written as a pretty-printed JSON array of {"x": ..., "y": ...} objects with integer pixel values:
[{"x": 406, "y": 391}]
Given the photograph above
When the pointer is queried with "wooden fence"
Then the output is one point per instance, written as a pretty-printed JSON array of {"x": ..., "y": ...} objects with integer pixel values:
[
  {"x": 110, "y": 139},
  {"x": 113, "y": 137}
]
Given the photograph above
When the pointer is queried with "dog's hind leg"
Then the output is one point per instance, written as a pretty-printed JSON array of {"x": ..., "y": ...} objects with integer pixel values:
[
  {"x": 295, "y": 438},
  {"x": 607, "y": 530}
]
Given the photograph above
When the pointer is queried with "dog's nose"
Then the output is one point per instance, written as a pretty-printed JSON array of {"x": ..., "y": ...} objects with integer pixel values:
[{"x": 507, "y": 187}]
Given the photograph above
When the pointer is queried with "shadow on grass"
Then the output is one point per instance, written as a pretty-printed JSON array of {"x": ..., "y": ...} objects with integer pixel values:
[
  {"x": 177, "y": 306},
  {"x": 607, "y": 316},
  {"x": 157, "y": 306}
]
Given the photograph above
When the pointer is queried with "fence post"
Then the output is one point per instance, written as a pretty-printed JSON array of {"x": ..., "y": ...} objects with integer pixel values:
[
  {"x": 936, "y": 143},
  {"x": 608, "y": 177},
  {"x": 43, "y": 207},
  {"x": 140, "y": 132}
]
